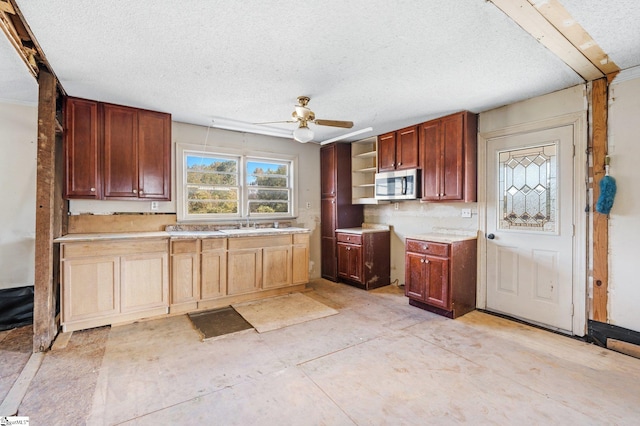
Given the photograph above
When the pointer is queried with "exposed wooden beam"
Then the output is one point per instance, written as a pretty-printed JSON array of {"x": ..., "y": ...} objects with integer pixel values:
[
  {"x": 20, "y": 36},
  {"x": 44, "y": 306},
  {"x": 533, "y": 22},
  {"x": 600, "y": 221},
  {"x": 560, "y": 18}
]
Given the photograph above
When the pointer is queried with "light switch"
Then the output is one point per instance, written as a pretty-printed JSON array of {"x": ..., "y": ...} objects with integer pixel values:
[{"x": 466, "y": 212}]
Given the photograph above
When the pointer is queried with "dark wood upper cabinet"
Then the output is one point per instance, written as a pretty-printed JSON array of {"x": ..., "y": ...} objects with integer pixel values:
[
  {"x": 448, "y": 150},
  {"x": 120, "y": 152},
  {"x": 81, "y": 149},
  {"x": 399, "y": 150},
  {"x": 131, "y": 157}
]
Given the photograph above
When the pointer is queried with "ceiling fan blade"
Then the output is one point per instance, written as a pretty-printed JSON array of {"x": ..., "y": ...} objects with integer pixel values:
[{"x": 335, "y": 123}]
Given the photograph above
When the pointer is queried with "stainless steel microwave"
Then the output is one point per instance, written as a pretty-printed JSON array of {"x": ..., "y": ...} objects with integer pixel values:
[{"x": 398, "y": 185}]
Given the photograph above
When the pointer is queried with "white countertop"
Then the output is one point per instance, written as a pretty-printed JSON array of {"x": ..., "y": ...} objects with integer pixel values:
[
  {"x": 227, "y": 233},
  {"x": 366, "y": 228},
  {"x": 442, "y": 238}
]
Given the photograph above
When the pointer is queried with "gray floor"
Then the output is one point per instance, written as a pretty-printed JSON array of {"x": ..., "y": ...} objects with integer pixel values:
[{"x": 378, "y": 361}]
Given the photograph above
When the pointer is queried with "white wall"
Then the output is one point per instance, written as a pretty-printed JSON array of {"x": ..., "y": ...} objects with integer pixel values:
[
  {"x": 181, "y": 133},
  {"x": 18, "y": 164},
  {"x": 624, "y": 224}
]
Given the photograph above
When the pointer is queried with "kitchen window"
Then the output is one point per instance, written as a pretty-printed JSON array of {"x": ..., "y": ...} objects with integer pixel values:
[{"x": 227, "y": 185}]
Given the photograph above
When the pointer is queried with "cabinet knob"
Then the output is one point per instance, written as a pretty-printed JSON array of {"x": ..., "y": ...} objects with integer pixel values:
[
  {"x": 93, "y": 190},
  {"x": 424, "y": 247},
  {"x": 491, "y": 236},
  {"x": 135, "y": 191},
  {"x": 141, "y": 191},
  {"x": 348, "y": 248},
  {"x": 400, "y": 163}
]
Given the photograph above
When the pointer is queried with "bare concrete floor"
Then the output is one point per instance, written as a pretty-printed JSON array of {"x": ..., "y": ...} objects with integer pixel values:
[{"x": 378, "y": 361}]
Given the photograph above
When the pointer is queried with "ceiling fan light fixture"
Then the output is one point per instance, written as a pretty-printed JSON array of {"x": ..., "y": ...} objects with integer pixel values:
[{"x": 303, "y": 134}]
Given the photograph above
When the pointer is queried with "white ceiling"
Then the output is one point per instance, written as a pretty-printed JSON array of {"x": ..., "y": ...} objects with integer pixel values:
[{"x": 378, "y": 63}]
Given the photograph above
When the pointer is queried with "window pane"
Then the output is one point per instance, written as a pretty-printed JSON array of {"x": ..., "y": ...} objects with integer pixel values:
[
  {"x": 212, "y": 170},
  {"x": 268, "y": 185},
  {"x": 528, "y": 188},
  {"x": 268, "y": 207},
  {"x": 212, "y": 193},
  {"x": 262, "y": 173},
  {"x": 202, "y": 207}
]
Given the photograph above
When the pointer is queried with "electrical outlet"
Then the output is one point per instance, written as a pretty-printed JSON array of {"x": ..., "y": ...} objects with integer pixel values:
[
  {"x": 466, "y": 212},
  {"x": 396, "y": 206},
  {"x": 154, "y": 206},
  {"x": 308, "y": 204}
]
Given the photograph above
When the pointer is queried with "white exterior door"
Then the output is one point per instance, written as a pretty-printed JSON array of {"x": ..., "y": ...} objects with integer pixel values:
[{"x": 529, "y": 229}]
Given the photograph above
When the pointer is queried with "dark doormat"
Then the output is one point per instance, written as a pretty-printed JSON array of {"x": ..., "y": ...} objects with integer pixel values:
[{"x": 218, "y": 323}]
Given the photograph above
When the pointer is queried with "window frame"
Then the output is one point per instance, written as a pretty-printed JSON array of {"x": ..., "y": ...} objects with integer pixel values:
[{"x": 182, "y": 150}]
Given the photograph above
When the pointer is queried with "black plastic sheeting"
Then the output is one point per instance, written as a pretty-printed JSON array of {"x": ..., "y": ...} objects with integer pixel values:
[{"x": 16, "y": 307}]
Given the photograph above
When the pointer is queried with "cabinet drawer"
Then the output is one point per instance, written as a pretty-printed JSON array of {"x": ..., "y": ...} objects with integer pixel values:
[
  {"x": 428, "y": 247},
  {"x": 184, "y": 246},
  {"x": 259, "y": 242},
  {"x": 214, "y": 244},
  {"x": 300, "y": 238},
  {"x": 117, "y": 248},
  {"x": 349, "y": 238}
]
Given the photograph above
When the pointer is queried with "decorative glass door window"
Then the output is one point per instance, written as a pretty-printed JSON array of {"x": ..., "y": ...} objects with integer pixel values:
[{"x": 528, "y": 188}]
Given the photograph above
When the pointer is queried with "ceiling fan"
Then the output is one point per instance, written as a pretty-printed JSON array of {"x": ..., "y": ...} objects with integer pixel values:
[{"x": 303, "y": 115}]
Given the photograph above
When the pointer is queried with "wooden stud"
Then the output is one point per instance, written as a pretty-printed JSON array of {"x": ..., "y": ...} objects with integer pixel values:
[
  {"x": 44, "y": 324},
  {"x": 600, "y": 221}
]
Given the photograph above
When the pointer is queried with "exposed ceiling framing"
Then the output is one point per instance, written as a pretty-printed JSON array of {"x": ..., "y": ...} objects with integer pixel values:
[{"x": 552, "y": 25}]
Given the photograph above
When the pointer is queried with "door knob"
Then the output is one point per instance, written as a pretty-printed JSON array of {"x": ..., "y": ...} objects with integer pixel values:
[{"x": 491, "y": 236}]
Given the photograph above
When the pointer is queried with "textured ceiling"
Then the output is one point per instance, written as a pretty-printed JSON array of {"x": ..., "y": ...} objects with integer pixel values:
[
  {"x": 17, "y": 85},
  {"x": 377, "y": 63}
]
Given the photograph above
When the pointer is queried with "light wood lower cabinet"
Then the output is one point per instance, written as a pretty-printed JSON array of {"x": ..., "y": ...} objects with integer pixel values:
[
  {"x": 114, "y": 281},
  {"x": 108, "y": 282},
  {"x": 213, "y": 269}
]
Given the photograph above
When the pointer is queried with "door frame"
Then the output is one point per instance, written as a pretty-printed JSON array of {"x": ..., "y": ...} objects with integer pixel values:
[{"x": 581, "y": 223}]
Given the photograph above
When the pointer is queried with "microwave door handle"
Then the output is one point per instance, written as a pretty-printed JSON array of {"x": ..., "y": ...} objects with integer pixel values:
[{"x": 404, "y": 185}]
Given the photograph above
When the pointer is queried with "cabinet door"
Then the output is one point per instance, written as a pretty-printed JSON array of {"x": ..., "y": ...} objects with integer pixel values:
[
  {"x": 328, "y": 212},
  {"x": 407, "y": 148},
  {"x": 300, "y": 259},
  {"x": 387, "y": 151},
  {"x": 276, "y": 266},
  {"x": 328, "y": 185},
  {"x": 81, "y": 149},
  {"x": 91, "y": 288},
  {"x": 244, "y": 271},
  {"x": 184, "y": 278},
  {"x": 120, "y": 169},
  {"x": 430, "y": 149},
  {"x": 213, "y": 274},
  {"x": 452, "y": 158},
  {"x": 329, "y": 265},
  {"x": 415, "y": 274},
  {"x": 350, "y": 262},
  {"x": 437, "y": 282},
  {"x": 144, "y": 281},
  {"x": 154, "y": 155}
]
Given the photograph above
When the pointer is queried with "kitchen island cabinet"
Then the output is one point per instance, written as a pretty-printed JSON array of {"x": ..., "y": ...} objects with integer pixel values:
[{"x": 440, "y": 273}]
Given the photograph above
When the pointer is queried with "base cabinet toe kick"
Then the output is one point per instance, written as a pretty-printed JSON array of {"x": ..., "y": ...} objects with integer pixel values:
[{"x": 107, "y": 281}]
